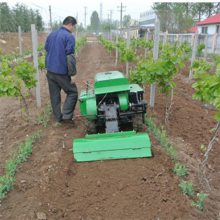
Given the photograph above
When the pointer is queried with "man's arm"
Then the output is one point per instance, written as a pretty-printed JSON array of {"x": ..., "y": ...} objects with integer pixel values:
[
  {"x": 46, "y": 46},
  {"x": 70, "y": 45}
]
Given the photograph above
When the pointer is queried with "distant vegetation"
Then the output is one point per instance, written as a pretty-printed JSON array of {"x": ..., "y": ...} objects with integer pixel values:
[
  {"x": 179, "y": 17},
  {"x": 19, "y": 15}
]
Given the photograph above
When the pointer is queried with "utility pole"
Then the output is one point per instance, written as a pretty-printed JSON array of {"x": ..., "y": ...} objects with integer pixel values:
[
  {"x": 101, "y": 9},
  {"x": 122, "y": 9},
  {"x": 85, "y": 14},
  {"x": 50, "y": 18},
  {"x": 111, "y": 12}
]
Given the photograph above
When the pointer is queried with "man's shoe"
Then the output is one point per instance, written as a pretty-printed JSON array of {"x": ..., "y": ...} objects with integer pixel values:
[{"x": 68, "y": 121}]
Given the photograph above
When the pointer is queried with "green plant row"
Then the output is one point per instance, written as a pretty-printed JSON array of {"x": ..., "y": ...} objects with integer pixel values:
[
  {"x": 207, "y": 86},
  {"x": 14, "y": 56},
  {"x": 25, "y": 150},
  {"x": 12, "y": 78},
  {"x": 163, "y": 70},
  {"x": 141, "y": 43},
  {"x": 125, "y": 54},
  {"x": 80, "y": 43}
]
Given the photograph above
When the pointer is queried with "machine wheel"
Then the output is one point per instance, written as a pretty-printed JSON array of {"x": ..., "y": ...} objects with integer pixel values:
[
  {"x": 91, "y": 127},
  {"x": 138, "y": 124}
]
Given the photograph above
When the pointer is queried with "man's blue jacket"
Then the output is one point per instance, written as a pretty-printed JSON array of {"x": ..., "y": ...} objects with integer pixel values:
[{"x": 58, "y": 45}]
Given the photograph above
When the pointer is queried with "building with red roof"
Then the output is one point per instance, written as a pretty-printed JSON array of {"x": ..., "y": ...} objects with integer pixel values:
[{"x": 210, "y": 25}]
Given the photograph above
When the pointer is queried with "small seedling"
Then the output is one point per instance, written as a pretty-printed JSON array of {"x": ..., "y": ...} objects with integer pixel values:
[
  {"x": 180, "y": 169},
  {"x": 44, "y": 117},
  {"x": 171, "y": 151},
  {"x": 200, "y": 202},
  {"x": 187, "y": 188}
]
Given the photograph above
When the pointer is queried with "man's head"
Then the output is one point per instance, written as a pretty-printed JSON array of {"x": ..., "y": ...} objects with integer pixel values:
[{"x": 69, "y": 23}]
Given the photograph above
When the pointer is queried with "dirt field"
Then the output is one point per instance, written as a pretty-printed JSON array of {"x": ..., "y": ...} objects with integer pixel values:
[
  {"x": 51, "y": 184},
  {"x": 9, "y": 42}
]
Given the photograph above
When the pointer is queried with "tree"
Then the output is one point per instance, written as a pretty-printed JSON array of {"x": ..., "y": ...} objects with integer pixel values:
[
  {"x": 126, "y": 21},
  {"x": 39, "y": 21},
  {"x": 56, "y": 25},
  {"x": 6, "y": 21},
  {"x": 80, "y": 27},
  {"x": 19, "y": 15},
  {"x": 174, "y": 17},
  {"x": 95, "y": 22},
  {"x": 107, "y": 25}
]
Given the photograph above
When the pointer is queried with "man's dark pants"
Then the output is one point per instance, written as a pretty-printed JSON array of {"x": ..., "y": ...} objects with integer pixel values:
[{"x": 57, "y": 82}]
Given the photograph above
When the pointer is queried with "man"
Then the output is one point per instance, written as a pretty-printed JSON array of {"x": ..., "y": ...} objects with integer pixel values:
[{"x": 59, "y": 45}]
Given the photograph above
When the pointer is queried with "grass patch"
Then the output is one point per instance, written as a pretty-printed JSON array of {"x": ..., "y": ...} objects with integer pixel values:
[{"x": 25, "y": 150}]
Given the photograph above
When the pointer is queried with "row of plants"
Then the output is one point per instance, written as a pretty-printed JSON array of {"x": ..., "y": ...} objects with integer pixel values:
[
  {"x": 17, "y": 56},
  {"x": 207, "y": 90},
  {"x": 17, "y": 80},
  {"x": 126, "y": 54},
  {"x": 80, "y": 43},
  {"x": 186, "y": 186},
  {"x": 25, "y": 150}
]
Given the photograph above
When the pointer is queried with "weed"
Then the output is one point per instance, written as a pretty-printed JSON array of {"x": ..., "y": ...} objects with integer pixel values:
[
  {"x": 180, "y": 169},
  {"x": 200, "y": 202},
  {"x": 187, "y": 188},
  {"x": 44, "y": 117}
]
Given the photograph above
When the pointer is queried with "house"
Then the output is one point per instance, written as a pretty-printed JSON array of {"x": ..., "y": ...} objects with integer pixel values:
[
  {"x": 210, "y": 25},
  {"x": 146, "y": 22}
]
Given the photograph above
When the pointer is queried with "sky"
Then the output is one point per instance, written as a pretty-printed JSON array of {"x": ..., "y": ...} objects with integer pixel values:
[{"x": 62, "y": 8}]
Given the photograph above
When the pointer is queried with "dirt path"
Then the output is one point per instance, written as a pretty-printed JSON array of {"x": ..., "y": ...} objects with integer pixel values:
[{"x": 53, "y": 184}]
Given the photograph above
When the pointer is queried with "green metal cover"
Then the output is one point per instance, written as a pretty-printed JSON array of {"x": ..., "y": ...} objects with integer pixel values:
[
  {"x": 88, "y": 106},
  {"x": 135, "y": 88},
  {"x": 110, "y": 82},
  {"x": 112, "y": 146}
]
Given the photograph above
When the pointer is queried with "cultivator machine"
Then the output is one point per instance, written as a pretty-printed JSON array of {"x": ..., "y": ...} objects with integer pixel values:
[{"x": 114, "y": 110}]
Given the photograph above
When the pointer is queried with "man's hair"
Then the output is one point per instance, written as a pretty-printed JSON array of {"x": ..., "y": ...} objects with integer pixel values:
[{"x": 69, "y": 20}]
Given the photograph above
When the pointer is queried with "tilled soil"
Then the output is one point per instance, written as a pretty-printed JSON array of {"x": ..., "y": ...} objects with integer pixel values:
[
  {"x": 50, "y": 184},
  {"x": 190, "y": 126}
]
